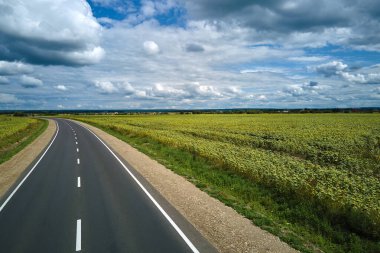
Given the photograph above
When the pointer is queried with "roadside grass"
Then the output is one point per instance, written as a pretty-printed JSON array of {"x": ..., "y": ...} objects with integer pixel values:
[
  {"x": 302, "y": 224},
  {"x": 15, "y": 142}
]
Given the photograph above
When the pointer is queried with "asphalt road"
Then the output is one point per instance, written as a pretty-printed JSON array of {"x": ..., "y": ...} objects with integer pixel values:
[{"x": 79, "y": 196}]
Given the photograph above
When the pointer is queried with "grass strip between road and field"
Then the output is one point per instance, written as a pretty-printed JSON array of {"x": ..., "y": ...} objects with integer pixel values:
[
  {"x": 302, "y": 224},
  {"x": 20, "y": 139}
]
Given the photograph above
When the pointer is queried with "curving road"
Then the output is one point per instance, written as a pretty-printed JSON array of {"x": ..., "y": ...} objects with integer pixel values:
[{"x": 80, "y": 197}]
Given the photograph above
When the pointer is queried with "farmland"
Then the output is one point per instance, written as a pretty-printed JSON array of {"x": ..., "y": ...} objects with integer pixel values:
[
  {"x": 313, "y": 179},
  {"x": 16, "y": 133}
]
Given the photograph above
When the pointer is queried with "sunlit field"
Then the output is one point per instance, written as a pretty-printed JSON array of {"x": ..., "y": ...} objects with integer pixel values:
[
  {"x": 319, "y": 172},
  {"x": 16, "y": 132}
]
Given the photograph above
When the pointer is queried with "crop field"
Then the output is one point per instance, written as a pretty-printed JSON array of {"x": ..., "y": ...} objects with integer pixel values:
[
  {"x": 16, "y": 133},
  {"x": 320, "y": 173}
]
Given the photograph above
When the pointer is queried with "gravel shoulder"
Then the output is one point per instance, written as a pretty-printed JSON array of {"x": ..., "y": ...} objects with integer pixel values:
[
  {"x": 11, "y": 170},
  {"x": 227, "y": 230}
]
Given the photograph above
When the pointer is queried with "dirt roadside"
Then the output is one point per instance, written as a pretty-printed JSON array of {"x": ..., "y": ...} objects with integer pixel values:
[
  {"x": 227, "y": 230},
  {"x": 11, "y": 170}
]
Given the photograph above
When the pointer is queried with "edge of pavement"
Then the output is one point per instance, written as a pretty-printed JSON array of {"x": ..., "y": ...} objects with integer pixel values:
[{"x": 14, "y": 169}]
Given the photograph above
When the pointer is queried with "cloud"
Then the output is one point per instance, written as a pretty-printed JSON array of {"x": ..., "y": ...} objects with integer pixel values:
[
  {"x": 14, "y": 68},
  {"x": 109, "y": 87},
  {"x": 30, "y": 82},
  {"x": 262, "y": 70},
  {"x": 284, "y": 18},
  {"x": 151, "y": 47},
  {"x": 280, "y": 15},
  {"x": 308, "y": 58},
  {"x": 106, "y": 87},
  {"x": 371, "y": 78},
  {"x": 62, "y": 32},
  {"x": 313, "y": 84},
  {"x": 192, "y": 47},
  {"x": 4, "y": 80},
  {"x": 148, "y": 9},
  {"x": 337, "y": 68},
  {"x": 331, "y": 68},
  {"x": 61, "y": 87},
  {"x": 125, "y": 87},
  {"x": 8, "y": 98},
  {"x": 183, "y": 92},
  {"x": 305, "y": 90},
  {"x": 294, "y": 90}
]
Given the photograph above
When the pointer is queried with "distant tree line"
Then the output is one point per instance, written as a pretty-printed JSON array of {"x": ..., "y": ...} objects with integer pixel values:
[{"x": 196, "y": 111}]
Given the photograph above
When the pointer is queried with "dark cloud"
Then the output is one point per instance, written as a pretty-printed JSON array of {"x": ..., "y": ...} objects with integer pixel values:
[
  {"x": 58, "y": 33},
  {"x": 191, "y": 47},
  {"x": 280, "y": 15},
  {"x": 272, "y": 17}
]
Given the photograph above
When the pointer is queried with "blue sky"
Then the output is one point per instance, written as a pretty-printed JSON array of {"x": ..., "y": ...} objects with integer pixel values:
[{"x": 182, "y": 54}]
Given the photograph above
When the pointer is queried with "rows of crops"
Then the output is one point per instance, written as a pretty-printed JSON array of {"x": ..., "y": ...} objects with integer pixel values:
[
  {"x": 330, "y": 160},
  {"x": 16, "y": 132}
]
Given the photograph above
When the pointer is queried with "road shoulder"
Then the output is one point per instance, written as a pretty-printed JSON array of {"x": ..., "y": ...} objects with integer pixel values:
[
  {"x": 11, "y": 170},
  {"x": 227, "y": 230}
]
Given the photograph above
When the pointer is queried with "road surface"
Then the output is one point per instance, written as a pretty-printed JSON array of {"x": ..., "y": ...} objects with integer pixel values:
[{"x": 78, "y": 196}]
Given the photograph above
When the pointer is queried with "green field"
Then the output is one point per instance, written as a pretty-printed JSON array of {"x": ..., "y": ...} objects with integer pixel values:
[
  {"x": 312, "y": 179},
  {"x": 16, "y": 133}
]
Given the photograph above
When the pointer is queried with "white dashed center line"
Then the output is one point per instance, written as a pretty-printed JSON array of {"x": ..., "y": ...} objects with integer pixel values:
[
  {"x": 78, "y": 246},
  {"x": 76, "y": 142},
  {"x": 78, "y": 161},
  {"x": 77, "y": 150},
  {"x": 78, "y": 182}
]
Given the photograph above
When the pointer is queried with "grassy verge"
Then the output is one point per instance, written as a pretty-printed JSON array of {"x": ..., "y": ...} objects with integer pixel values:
[
  {"x": 302, "y": 224},
  {"x": 19, "y": 140}
]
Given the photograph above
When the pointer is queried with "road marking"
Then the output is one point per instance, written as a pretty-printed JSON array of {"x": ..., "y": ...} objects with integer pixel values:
[
  {"x": 30, "y": 172},
  {"x": 76, "y": 142},
  {"x": 78, "y": 182},
  {"x": 77, "y": 150},
  {"x": 78, "y": 161},
  {"x": 78, "y": 246},
  {"x": 174, "y": 225},
  {"x": 75, "y": 138}
]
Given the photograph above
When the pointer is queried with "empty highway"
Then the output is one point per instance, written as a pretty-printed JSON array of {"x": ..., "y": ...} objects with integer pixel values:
[{"x": 78, "y": 196}]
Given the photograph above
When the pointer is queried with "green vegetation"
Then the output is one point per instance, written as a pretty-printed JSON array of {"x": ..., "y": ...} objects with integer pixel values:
[
  {"x": 313, "y": 180},
  {"x": 16, "y": 133}
]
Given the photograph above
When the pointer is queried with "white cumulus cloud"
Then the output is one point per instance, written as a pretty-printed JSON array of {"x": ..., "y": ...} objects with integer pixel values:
[
  {"x": 331, "y": 68},
  {"x": 151, "y": 47},
  {"x": 337, "y": 68},
  {"x": 61, "y": 87},
  {"x": 108, "y": 87}
]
